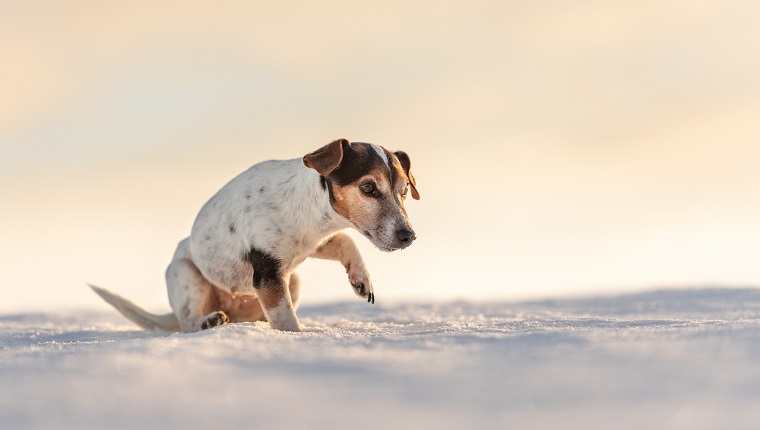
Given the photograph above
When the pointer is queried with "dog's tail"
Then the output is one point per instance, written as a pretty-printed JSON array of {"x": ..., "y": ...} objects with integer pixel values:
[{"x": 136, "y": 314}]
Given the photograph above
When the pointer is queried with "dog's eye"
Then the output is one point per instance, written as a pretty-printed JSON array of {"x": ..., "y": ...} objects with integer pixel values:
[
  {"x": 406, "y": 190},
  {"x": 368, "y": 188}
]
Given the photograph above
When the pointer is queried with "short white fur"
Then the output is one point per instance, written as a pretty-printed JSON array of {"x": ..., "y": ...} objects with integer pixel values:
[{"x": 278, "y": 206}]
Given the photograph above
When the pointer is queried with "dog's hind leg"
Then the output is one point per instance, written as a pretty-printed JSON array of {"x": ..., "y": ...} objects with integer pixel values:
[
  {"x": 247, "y": 308},
  {"x": 191, "y": 296}
]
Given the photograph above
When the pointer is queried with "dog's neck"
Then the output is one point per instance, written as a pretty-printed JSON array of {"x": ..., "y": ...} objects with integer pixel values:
[{"x": 310, "y": 214}]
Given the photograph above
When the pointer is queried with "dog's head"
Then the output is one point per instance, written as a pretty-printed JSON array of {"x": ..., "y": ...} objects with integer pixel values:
[{"x": 367, "y": 185}]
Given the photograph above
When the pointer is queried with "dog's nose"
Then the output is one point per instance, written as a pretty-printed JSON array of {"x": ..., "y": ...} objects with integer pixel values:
[{"x": 405, "y": 235}]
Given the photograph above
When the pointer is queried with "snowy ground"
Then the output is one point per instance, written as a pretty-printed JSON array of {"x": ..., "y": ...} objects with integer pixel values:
[{"x": 668, "y": 359}]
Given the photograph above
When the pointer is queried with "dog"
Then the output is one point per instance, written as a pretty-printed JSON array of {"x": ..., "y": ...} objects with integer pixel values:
[{"x": 238, "y": 265}]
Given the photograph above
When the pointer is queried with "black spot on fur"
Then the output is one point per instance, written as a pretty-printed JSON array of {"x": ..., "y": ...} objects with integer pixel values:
[
  {"x": 247, "y": 195},
  {"x": 358, "y": 159},
  {"x": 261, "y": 190},
  {"x": 232, "y": 229},
  {"x": 207, "y": 237},
  {"x": 265, "y": 267},
  {"x": 330, "y": 191}
]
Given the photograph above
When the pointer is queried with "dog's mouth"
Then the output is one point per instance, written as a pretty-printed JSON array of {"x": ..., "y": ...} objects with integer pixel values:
[
  {"x": 386, "y": 249},
  {"x": 381, "y": 246}
]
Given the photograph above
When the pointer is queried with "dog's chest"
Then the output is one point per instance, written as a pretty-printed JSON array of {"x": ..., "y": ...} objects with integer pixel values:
[{"x": 294, "y": 248}]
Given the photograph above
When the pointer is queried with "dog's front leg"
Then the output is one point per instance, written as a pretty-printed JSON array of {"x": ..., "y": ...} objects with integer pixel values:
[
  {"x": 274, "y": 295},
  {"x": 342, "y": 248}
]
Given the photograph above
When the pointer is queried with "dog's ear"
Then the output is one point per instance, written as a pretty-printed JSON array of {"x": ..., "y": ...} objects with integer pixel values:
[
  {"x": 406, "y": 163},
  {"x": 327, "y": 158}
]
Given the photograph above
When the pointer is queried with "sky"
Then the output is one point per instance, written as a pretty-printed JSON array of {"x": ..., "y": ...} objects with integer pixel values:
[{"x": 561, "y": 148}]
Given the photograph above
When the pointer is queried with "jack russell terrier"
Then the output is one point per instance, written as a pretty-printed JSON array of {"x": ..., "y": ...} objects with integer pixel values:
[{"x": 240, "y": 259}]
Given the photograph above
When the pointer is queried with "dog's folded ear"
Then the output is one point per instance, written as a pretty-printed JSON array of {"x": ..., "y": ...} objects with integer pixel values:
[
  {"x": 406, "y": 164},
  {"x": 327, "y": 158}
]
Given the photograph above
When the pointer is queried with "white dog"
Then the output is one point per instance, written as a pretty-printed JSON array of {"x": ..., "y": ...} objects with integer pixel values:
[{"x": 239, "y": 262}]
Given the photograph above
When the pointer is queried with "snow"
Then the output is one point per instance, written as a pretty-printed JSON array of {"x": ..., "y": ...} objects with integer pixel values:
[{"x": 677, "y": 359}]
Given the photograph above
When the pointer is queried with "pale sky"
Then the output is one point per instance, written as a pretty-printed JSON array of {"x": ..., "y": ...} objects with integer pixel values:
[{"x": 561, "y": 147}]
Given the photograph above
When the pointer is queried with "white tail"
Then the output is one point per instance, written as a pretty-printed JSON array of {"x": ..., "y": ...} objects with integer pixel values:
[{"x": 136, "y": 314}]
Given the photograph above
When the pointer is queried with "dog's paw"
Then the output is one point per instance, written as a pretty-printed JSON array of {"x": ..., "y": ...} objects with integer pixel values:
[
  {"x": 362, "y": 284},
  {"x": 359, "y": 278},
  {"x": 364, "y": 292},
  {"x": 215, "y": 319}
]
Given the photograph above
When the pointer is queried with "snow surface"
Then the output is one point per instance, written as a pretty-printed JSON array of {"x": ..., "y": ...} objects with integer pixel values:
[{"x": 685, "y": 359}]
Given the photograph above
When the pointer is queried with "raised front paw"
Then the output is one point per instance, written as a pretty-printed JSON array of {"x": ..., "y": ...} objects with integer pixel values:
[{"x": 359, "y": 279}]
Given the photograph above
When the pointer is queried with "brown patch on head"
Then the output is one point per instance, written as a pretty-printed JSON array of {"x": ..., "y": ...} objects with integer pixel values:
[
  {"x": 362, "y": 209},
  {"x": 374, "y": 205}
]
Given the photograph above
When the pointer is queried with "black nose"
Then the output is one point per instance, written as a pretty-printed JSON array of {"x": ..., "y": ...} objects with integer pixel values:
[{"x": 405, "y": 236}]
